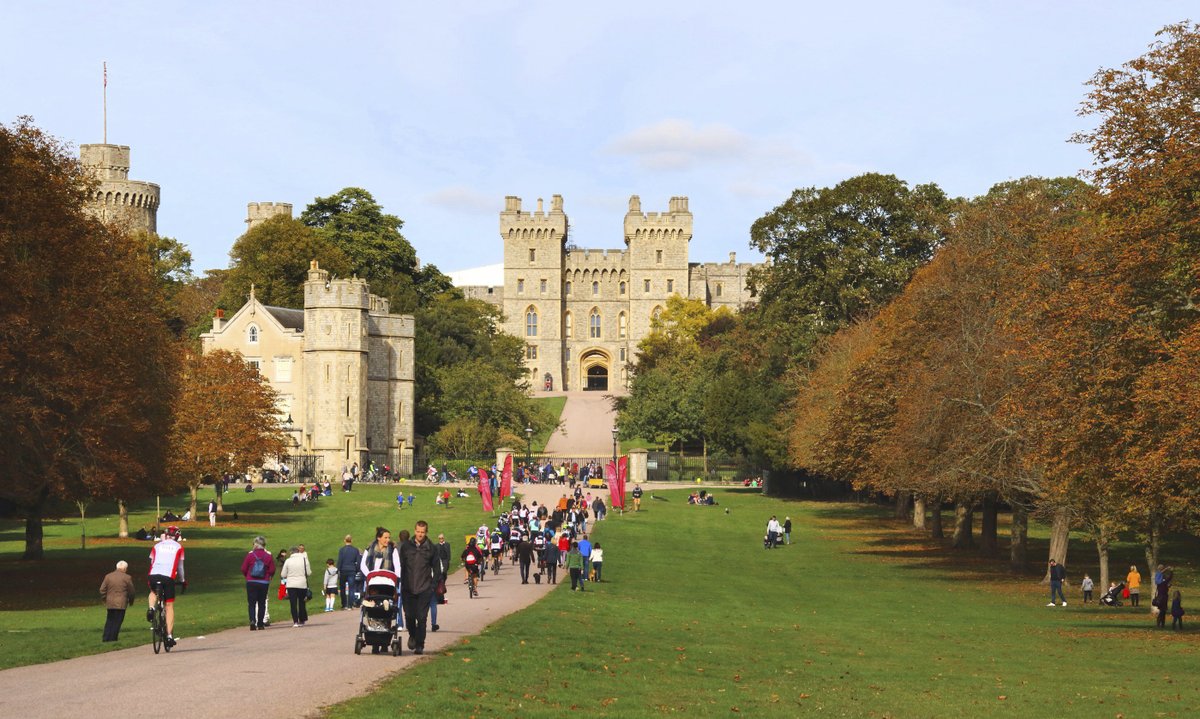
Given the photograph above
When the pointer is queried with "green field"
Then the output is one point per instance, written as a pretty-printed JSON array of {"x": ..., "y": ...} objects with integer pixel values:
[
  {"x": 554, "y": 407},
  {"x": 859, "y": 617},
  {"x": 51, "y": 609}
]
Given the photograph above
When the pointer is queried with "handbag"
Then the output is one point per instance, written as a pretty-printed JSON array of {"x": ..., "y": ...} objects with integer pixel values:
[
  {"x": 307, "y": 594},
  {"x": 283, "y": 590},
  {"x": 1125, "y": 593}
]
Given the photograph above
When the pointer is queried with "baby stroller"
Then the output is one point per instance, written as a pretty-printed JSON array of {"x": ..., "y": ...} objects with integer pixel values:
[
  {"x": 1112, "y": 598},
  {"x": 377, "y": 623}
]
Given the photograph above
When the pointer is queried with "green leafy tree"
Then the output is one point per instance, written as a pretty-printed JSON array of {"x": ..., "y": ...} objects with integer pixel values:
[{"x": 274, "y": 258}]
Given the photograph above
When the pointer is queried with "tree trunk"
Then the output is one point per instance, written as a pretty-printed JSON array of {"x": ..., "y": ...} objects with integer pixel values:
[
  {"x": 192, "y": 490},
  {"x": 1151, "y": 545},
  {"x": 1060, "y": 535},
  {"x": 122, "y": 519},
  {"x": 33, "y": 535},
  {"x": 903, "y": 500},
  {"x": 1102, "y": 551},
  {"x": 705, "y": 457},
  {"x": 918, "y": 512},
  {"x": 220, "y": 489},
  {"x": 988, "y": 542},
  {"x": 964, "y": 517},
  {"x": 82, "y": 524},
  {"x": 935, "y": 528},
  {"x": 1018, "y": 550}
]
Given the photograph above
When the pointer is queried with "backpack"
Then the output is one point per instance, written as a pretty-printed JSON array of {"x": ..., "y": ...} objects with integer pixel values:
[{"x": 259, "y": 568}]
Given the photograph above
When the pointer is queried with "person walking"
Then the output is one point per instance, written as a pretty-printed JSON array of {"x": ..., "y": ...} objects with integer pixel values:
[
  {"x": 787, "y": 529},
  {"x": 1177, "y": 612},
  {"x": 1087, "y": 585},
  {"x": 773, "y": 531},
  {"x": 330, "y": 584},
  {"x": 549, "y": 561},
  {"x": 585, "y": 549},
  {"x": 1162, "y": 594},
  {"x": 348, "y": 558},
  {"x": 575, "y": 567},
  {"x": 258, "y": 567},
  {"x": 1133, "y": 582},
  {"x": 637, "y": 498},
  {"x": 418, "y": 562},
  {"x": 443, "y": 570},
  {"x": 524, "y": 557},
  {"x": 597, "y": 560},
  {"x": 295, "y": 573},
  {"x": 212, "y": 512},
  {"x": 1058, "y": 574},
  {"x": 118, "y": 594}
]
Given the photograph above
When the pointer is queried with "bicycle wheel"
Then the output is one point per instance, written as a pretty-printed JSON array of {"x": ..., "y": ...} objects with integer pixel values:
[
  {"x": 162, "y": 629},
  {"x": 156, "y": 630}
]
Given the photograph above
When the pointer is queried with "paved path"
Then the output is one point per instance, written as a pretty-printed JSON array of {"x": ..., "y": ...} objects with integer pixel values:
[
  {"x": 586, "y": 430},
  {"x": 210, "y": 676}
]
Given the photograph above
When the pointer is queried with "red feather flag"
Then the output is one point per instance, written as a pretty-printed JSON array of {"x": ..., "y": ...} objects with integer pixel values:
[
  {"x": 485, "y": 490},
  {"x": 506, "y": 478}
]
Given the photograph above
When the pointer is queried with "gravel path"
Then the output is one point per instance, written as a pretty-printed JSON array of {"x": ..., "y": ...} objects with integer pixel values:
[{"x": 586, "y": 431}]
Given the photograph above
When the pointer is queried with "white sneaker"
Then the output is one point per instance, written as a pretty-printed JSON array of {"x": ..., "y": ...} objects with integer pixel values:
[
  {"x": 1051, "y": 604},
  {"x": 1064, "y": 604},
  {"x": 297, "y": 624}
]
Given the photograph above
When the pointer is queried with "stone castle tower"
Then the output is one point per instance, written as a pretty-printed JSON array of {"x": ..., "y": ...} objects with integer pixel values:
[
  {"x": 259, "y": 212},
  {"x": 358, "y": 374},
  {"x": 582, "y": 312},
  {"x": 118, "y": 198}
]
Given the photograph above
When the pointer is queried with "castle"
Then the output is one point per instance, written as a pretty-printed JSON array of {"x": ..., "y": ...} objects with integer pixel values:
[
  {"x": 582, "y": 312},
  {"x": 343, "y": 367},
  {"x": 117, "y": 198}
]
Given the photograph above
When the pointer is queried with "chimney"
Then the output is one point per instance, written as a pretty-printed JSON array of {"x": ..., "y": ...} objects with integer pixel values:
[{"x": 218, "y": 320}]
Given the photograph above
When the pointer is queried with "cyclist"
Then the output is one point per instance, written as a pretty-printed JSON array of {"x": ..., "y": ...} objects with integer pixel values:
[
  {"x": 481, "y": 535},
  {"x": 166, "y": 566},
  {"x": 472, "y": 558},
  {"x": 496, "y": 546}
]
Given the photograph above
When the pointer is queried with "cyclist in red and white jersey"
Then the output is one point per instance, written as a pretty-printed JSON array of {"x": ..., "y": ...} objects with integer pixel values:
[{"x": 166, "y": 566}]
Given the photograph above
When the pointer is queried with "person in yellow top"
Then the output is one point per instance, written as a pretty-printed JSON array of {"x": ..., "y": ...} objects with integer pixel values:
[{"x": 1133, "y": 582}]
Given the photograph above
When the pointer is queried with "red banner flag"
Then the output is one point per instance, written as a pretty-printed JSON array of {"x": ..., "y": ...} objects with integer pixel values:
[
  {"x": 506, "y": 478},
  {"x": 614, "y": 486},
  {"x": 485, "y": 490},
  {"x": 622, "y": 475}
]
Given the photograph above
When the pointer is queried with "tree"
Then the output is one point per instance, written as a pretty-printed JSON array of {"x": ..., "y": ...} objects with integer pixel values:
[
  {"x": 85, "y": 353},
  {"x": 355, "y": 223},
  {"x": 225, "y": 420},
  {"x": 274, "y": 257}
]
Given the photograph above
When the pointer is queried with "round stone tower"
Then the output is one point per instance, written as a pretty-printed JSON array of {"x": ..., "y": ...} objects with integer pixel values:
[{"x": 118, "y": 198}]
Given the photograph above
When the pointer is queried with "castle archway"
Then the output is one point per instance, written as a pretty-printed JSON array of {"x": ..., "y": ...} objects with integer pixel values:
[{"x": 594, "y": 368}]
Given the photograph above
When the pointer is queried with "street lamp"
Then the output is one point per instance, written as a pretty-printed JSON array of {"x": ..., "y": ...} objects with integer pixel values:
[
  {"x": 528, "y": 447},
  {"x": 614, "y": 431}
]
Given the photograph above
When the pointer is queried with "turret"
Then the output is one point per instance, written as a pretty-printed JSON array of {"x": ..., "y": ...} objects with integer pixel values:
[
  {"x": 118, "y": 198},
  {"x": 259, "y": 212}
]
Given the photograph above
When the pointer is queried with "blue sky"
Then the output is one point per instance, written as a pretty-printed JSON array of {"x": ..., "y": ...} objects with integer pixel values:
[{"x": 442, "y": 109}]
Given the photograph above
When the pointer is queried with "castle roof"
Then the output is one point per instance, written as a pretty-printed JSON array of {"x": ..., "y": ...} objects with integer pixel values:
[{"x": 289, "y": 318}]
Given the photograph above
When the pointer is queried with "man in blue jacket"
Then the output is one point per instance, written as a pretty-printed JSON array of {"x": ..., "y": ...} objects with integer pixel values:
[{"x": 348, "y": 559}]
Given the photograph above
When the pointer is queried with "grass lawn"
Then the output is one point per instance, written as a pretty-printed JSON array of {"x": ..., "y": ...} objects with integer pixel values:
[
  {"x": 859, "y": 617},
  {"x": 51, "y": 609}
]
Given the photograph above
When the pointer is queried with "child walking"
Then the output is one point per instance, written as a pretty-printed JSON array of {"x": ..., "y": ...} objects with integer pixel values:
[
  {"x": 1087, "y": 587},
  {"x": 331, "y": 584},
  {"x": 1177, "y": 611}
]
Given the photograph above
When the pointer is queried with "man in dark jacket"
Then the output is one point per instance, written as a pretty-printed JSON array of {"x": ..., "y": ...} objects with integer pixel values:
[
  {"x": 348, "y": 559},
  {"x": 525, "y": 557},
  {"x": 418, "y": 562},
  {"x": 117, "y": 591},
  {"x": 442, "y": 567},
  {"x": 1058, "y": 574}
]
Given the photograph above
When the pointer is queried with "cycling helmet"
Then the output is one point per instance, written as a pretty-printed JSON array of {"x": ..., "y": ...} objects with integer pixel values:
[{"x": 174, "y": 533}]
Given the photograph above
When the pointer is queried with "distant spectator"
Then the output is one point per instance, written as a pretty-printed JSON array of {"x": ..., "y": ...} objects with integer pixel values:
[{"x": 117, "y": 592}]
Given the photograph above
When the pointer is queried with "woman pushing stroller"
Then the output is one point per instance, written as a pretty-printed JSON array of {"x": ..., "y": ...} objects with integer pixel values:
[{"x": 380, "y": 566}]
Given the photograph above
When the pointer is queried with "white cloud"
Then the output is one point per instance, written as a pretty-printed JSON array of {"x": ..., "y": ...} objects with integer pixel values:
[
  {"x": 674, "y": 144},
  {"x": 462, "y": 198}
]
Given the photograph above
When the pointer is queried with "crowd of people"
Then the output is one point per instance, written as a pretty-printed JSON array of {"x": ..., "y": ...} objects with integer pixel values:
[{"x": 1165, "y": 601}]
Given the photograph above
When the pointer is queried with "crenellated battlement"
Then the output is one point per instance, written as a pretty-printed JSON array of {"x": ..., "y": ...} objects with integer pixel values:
[
  {"x": 516, "y": 224},
  {"x": 259, "y": 212},
  {"x": 674, "y": 224},
  {"x": 116, "y": 197}
]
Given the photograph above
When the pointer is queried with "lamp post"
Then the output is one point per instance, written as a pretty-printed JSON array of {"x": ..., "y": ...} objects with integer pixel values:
[
  {"x": 528, "y": 447},
  {"x": 614, "y": 431}
]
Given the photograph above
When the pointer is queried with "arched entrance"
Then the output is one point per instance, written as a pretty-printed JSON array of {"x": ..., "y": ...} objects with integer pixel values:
[{"x": 594, "y": 365}]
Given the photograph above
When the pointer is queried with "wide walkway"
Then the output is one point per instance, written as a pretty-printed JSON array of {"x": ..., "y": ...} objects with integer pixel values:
[
  {"x": 280, "y": 673},
  {"x": 586, "y": 429}
]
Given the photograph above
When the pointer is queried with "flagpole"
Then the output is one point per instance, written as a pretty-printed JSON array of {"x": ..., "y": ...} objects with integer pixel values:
[{"x": 106, "y": 102}]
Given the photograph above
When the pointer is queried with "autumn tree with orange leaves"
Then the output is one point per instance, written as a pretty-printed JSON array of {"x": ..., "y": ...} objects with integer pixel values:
[
  {"x": 85, "y": 352},
  {"x": 225, "y": 420}
]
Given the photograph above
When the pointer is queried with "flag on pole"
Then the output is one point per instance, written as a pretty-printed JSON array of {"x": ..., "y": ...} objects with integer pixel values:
[
  {"x": 106, "y": 74},
  {"x": 506, "y": 478},
  {"x": 485, "y": 490}
]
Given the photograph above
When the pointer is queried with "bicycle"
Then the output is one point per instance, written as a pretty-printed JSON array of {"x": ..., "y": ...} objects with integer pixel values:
[
  {"x": 472, "y": 583},
  {"x": 158, "y": 627},
  {"x": 496, "y": 564}
]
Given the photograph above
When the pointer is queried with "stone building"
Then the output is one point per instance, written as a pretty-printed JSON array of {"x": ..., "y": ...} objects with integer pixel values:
[
  {"x": 342, "y": 365},
  {"x": 582, "y": 312},
  {"x": 118, "y": 198}
]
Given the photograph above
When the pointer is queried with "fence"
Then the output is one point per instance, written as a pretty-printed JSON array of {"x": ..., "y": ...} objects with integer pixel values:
[{"x": 672, "y": 467}]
